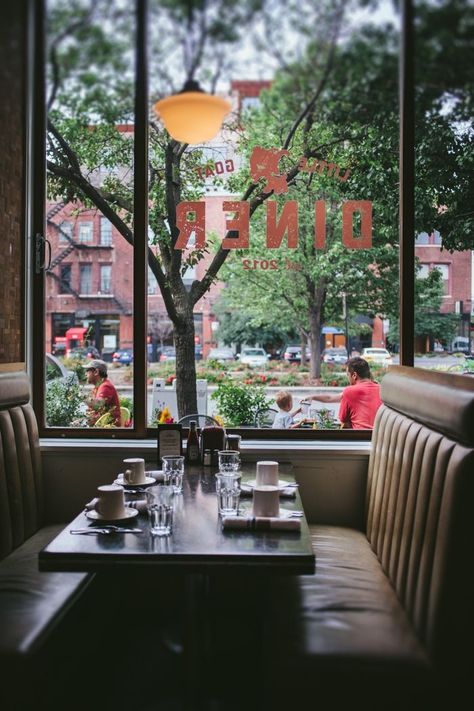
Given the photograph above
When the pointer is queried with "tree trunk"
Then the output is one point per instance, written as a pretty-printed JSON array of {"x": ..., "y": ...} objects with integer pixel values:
[
  {"x": 304, "y": 342},
  {"x": 185, "y": 366},
  {"x": 316, "y": 322}
]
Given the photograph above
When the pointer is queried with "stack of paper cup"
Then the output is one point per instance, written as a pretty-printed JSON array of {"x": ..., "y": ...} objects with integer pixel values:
[
  {"x": 266, "y": 501},
  {"x": 267, "y": 474}
]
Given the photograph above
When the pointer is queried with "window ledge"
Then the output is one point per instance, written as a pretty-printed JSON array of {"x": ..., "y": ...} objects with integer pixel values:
[{"x": 250, "y": 447}]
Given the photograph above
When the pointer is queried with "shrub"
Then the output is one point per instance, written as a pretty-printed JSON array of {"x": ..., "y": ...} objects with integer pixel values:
[
  {"x": 77, "y": 367},
  {"x": 128, "y": 403},
  {"x": 64, "y": 403},
  {"x": 238, "y": 404}
]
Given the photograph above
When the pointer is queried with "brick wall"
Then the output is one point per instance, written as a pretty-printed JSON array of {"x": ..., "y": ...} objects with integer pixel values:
[{"x": 11, "y": 182}]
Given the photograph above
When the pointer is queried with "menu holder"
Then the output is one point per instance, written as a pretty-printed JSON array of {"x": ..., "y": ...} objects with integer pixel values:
[{"x": 170, "y": 440}]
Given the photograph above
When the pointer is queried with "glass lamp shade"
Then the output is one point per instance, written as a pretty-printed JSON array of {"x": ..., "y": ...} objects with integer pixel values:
[{"x": 192, "y": 116}]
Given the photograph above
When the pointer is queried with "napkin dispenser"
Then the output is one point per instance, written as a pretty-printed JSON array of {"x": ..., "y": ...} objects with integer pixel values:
[{"x": 212, "y": 441}]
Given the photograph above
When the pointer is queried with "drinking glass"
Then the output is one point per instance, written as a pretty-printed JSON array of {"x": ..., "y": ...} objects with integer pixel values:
[
  {"x": 173, "y": 471},
  {"x": 159, "y": 503},
  {"x": 228, "y": 493},
  {"x": 229, "y": 461}
]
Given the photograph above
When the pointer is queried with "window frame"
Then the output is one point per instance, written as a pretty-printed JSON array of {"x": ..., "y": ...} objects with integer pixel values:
[{"x": 36, "y": 201}]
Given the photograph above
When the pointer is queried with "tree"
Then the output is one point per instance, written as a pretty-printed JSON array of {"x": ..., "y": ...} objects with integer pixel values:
[
  {"x": 429, "y": 322},
  {"x": 159, "y": 327},
  {"x": 310, "y": 278},
  {"x": 253, "y": 326}
]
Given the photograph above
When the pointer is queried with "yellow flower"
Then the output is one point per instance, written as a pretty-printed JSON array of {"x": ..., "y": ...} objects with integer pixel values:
[{"x": 165, "y": 415}]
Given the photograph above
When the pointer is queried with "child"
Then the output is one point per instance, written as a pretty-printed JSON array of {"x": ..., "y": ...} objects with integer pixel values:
[{"x": 284, "y": 420}]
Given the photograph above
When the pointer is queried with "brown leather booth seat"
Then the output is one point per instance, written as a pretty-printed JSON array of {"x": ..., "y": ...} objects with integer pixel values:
[
  {"x": 31, "y": 603},
  {"x": 387, "y": 620}
]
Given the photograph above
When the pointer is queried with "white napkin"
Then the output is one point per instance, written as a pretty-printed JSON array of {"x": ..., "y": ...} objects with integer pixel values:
[
  {"x": 260, "y": 523},
  {"x": 138, "y": 504}
]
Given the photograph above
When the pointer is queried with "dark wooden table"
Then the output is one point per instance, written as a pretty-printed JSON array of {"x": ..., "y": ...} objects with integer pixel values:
[
  {"x": 226, "y": 575},
  {"x": 197, "y": 545}
]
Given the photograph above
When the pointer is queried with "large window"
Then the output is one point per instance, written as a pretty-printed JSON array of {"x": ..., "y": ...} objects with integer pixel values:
[
  {"x": 279, "y": 234},
  {"x": 443, "y": 184},
  {"x": 89, "y": 207}
]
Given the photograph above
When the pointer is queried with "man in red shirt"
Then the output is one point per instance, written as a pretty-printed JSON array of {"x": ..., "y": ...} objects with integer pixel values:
[
  {"x": 360, "y": 401},
  {"x": 103, "y": 398}
]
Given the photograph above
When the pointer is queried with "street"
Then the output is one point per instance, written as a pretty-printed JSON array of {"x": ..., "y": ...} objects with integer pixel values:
[{"x": 299, "y": 393}]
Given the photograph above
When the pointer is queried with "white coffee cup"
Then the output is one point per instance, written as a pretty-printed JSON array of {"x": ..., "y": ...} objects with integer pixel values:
[
  {"x": 267, "y": 473},
  {"x": 110, "y": 502},
  {"x": 134, "y": 471},
  {"x": 266, "y": 501}
]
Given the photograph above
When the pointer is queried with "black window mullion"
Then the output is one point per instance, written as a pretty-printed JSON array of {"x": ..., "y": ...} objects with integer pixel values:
[
  {"x": 36, "y": 193},
  {"x": 407, "y": 187},
  {"x": 140, "y": 221}
]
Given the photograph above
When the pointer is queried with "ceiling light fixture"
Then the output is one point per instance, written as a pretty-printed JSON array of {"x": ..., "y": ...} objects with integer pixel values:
[{"x": 192, "y": 116}]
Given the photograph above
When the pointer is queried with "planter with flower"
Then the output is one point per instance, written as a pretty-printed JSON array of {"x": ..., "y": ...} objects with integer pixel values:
[{"x": 161, "y": 417}]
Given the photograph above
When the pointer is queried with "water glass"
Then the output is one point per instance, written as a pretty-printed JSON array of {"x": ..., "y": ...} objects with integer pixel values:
[
  {"x": 229, "y": 461},
  {"x": 228, "y": 494},
  {"x": 173, "y": 471},
  {"x": 159, "y": 503}
]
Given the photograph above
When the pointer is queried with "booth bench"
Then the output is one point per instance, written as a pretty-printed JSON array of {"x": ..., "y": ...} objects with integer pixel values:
[
  {"x": 31, "y": 603},
  {"x": 387, "y": 621}
]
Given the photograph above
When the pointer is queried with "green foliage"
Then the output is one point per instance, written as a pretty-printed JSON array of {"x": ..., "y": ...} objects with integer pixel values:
[
  {"x": 64, "y": 402},
  {"x": 238, "y": 404},
  {"x": 429, "y": 321},
  {"x": 128, "y": 403},
  {"x": 77, "y": 367},
  {"x": 325, "y": 420},
  {"x": 254, "y": 326}
]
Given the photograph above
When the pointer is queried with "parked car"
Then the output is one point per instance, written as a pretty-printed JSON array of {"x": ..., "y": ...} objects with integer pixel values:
[
  {"x": 379, "y": 356},
  {"x": 84, "y": 352},
  {"x": 460, "y": 345},
  {"x": 292, "y": 354},
  {"x": 222, "y": 354},
  {"x": 58, "y": 349},
  {"x": 56, "y": 370},
  {"x": 168, "y": 354},
  {"x": 335, "y": 355},
  {"x": 123, "y": 356},
  {"x": 254, "y": 357}
]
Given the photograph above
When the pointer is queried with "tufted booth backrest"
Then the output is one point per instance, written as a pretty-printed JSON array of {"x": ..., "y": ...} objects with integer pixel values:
[
  {"x": 21, "y": 493},
  {"x": 420, "y": 499}
]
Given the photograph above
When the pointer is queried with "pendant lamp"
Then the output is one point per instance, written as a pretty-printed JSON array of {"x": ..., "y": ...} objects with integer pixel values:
[{"x": 192, "y": 116}]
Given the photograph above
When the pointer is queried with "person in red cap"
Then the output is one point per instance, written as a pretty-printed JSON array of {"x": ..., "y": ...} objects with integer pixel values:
[{"x": 104, "y": 397}]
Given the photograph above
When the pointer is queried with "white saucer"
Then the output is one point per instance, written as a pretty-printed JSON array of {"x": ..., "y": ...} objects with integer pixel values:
[
  {"x": 282, "y": 484},
  {"x": 95, "y": 516},
  {"x": 149, "y": 481},
  {"x": 246, "y": 510}
]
